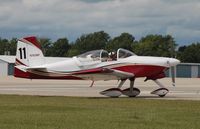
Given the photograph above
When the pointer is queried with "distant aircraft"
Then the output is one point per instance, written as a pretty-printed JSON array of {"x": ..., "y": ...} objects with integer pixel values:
[{"x": 94, "y": 65}]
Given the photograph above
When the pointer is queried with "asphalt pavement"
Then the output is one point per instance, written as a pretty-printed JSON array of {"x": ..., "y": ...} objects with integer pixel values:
[{"x": 185, "y": 89}]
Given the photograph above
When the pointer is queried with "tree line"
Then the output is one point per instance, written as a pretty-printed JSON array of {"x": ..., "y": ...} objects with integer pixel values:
[{"x": 150, "y": 45}]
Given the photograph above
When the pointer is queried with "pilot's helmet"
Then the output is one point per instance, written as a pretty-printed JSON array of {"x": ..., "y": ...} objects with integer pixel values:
[
  {"x": 89, "y": 56},
  {"x": 111, "y": 53}
]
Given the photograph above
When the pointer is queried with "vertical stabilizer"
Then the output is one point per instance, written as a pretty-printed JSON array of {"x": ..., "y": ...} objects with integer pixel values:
[{"x": 29, "y": 52}]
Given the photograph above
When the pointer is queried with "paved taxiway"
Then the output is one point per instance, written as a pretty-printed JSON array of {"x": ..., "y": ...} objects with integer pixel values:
[{"x": 186, "y": 89}]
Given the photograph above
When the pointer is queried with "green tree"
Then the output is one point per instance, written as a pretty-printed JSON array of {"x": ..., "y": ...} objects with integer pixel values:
[
  {"x": 46, "y": 45},
  {"x": 13, "y": 46},
  {"x": 8, "y": 47},
  {"x": 190, "y": 54},
  {"x": 73, "y": 52},
  {"x": 4, "y": 45},
  {"x": 1, "y": 47},
  {"x": 60, "y": 47},
  {"x": 156, "y": 45},
  {"x": 88, "y": 42},
  {"x": 125, "y": 40}
]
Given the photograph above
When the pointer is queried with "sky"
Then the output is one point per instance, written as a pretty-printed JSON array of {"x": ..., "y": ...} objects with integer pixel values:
[{"x": 72, "y": 18}]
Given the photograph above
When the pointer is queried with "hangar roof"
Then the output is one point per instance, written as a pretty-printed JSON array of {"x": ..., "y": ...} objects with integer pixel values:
[{"x": 8, "y": 59}]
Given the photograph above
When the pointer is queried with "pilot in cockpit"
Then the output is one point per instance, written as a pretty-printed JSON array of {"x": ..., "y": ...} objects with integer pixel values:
[{"x": 112, "y": 56}]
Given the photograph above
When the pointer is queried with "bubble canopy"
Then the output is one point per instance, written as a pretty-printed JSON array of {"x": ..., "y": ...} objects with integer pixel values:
[
  {"x": 123, "y": 53},
  {"x": 102, "y": 55},
  {"x": 95, "y": 55}
]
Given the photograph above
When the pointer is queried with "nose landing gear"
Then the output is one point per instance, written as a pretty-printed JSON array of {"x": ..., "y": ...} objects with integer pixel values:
[{"x": 162, "y": 91}]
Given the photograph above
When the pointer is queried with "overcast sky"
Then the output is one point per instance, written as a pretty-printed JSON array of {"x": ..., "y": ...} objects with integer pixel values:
[{"x": 72, "y": 18}]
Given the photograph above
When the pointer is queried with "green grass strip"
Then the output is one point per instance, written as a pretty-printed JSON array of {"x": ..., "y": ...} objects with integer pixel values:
[{"x": 35, "y": 112}]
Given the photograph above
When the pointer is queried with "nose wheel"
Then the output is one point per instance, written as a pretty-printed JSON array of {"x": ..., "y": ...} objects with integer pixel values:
[{"x": 162, "y": 91}]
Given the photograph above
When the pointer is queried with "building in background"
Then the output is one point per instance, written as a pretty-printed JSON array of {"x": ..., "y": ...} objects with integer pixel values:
[
  {"x": 190, "y": 70},
  {"x": 183, "y": 70},
  {"x": 7, "y": 64}
]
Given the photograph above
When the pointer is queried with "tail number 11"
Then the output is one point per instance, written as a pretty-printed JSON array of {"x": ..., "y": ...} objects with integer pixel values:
[{"x": 22, "y": 52}]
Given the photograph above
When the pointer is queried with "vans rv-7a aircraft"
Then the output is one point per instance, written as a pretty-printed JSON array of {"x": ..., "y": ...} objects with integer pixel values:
[{"x": 94, "y": 65}]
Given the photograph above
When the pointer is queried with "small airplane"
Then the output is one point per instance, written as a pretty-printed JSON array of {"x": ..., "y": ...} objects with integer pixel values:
[{"x": 94, "y": 65}]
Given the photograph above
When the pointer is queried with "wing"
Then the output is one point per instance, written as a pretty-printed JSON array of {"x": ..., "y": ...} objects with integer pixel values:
[
  {"x": 90, "y": 74},
  {"x": 39, "y": 68},
  {"x": 103, "y": 74}
]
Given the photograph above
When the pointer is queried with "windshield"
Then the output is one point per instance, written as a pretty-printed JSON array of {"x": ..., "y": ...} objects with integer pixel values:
[
  {"x": 95, "y": 55},
  {"x": 123, "y": 53}
]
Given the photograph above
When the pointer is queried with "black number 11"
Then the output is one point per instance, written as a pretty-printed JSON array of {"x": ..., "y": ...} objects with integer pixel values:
[{"x": 22, "y": 51}]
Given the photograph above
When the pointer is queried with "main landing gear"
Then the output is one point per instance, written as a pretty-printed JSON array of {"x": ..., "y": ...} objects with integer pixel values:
[{"x": 116, "y": 92}]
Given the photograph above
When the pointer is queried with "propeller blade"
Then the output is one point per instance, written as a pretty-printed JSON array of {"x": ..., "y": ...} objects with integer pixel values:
[{"x": 173, "y": 75}]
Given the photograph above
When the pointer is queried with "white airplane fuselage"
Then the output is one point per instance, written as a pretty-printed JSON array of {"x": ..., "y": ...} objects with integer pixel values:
[{"x": 139, "y": 66}]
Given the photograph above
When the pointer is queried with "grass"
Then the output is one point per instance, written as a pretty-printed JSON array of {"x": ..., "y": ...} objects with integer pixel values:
[{"x": 35, "y": 112}]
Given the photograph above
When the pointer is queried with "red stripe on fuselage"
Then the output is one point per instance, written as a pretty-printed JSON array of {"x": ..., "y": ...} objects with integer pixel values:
[
  {"x": 142, "y": 70},
  {"x": 17, "y": 62}
]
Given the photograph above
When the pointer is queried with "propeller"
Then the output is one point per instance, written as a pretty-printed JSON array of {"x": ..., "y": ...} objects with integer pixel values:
[
  {"x": 172, "y": 64},
  {"x": 172, "y": 70}
]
